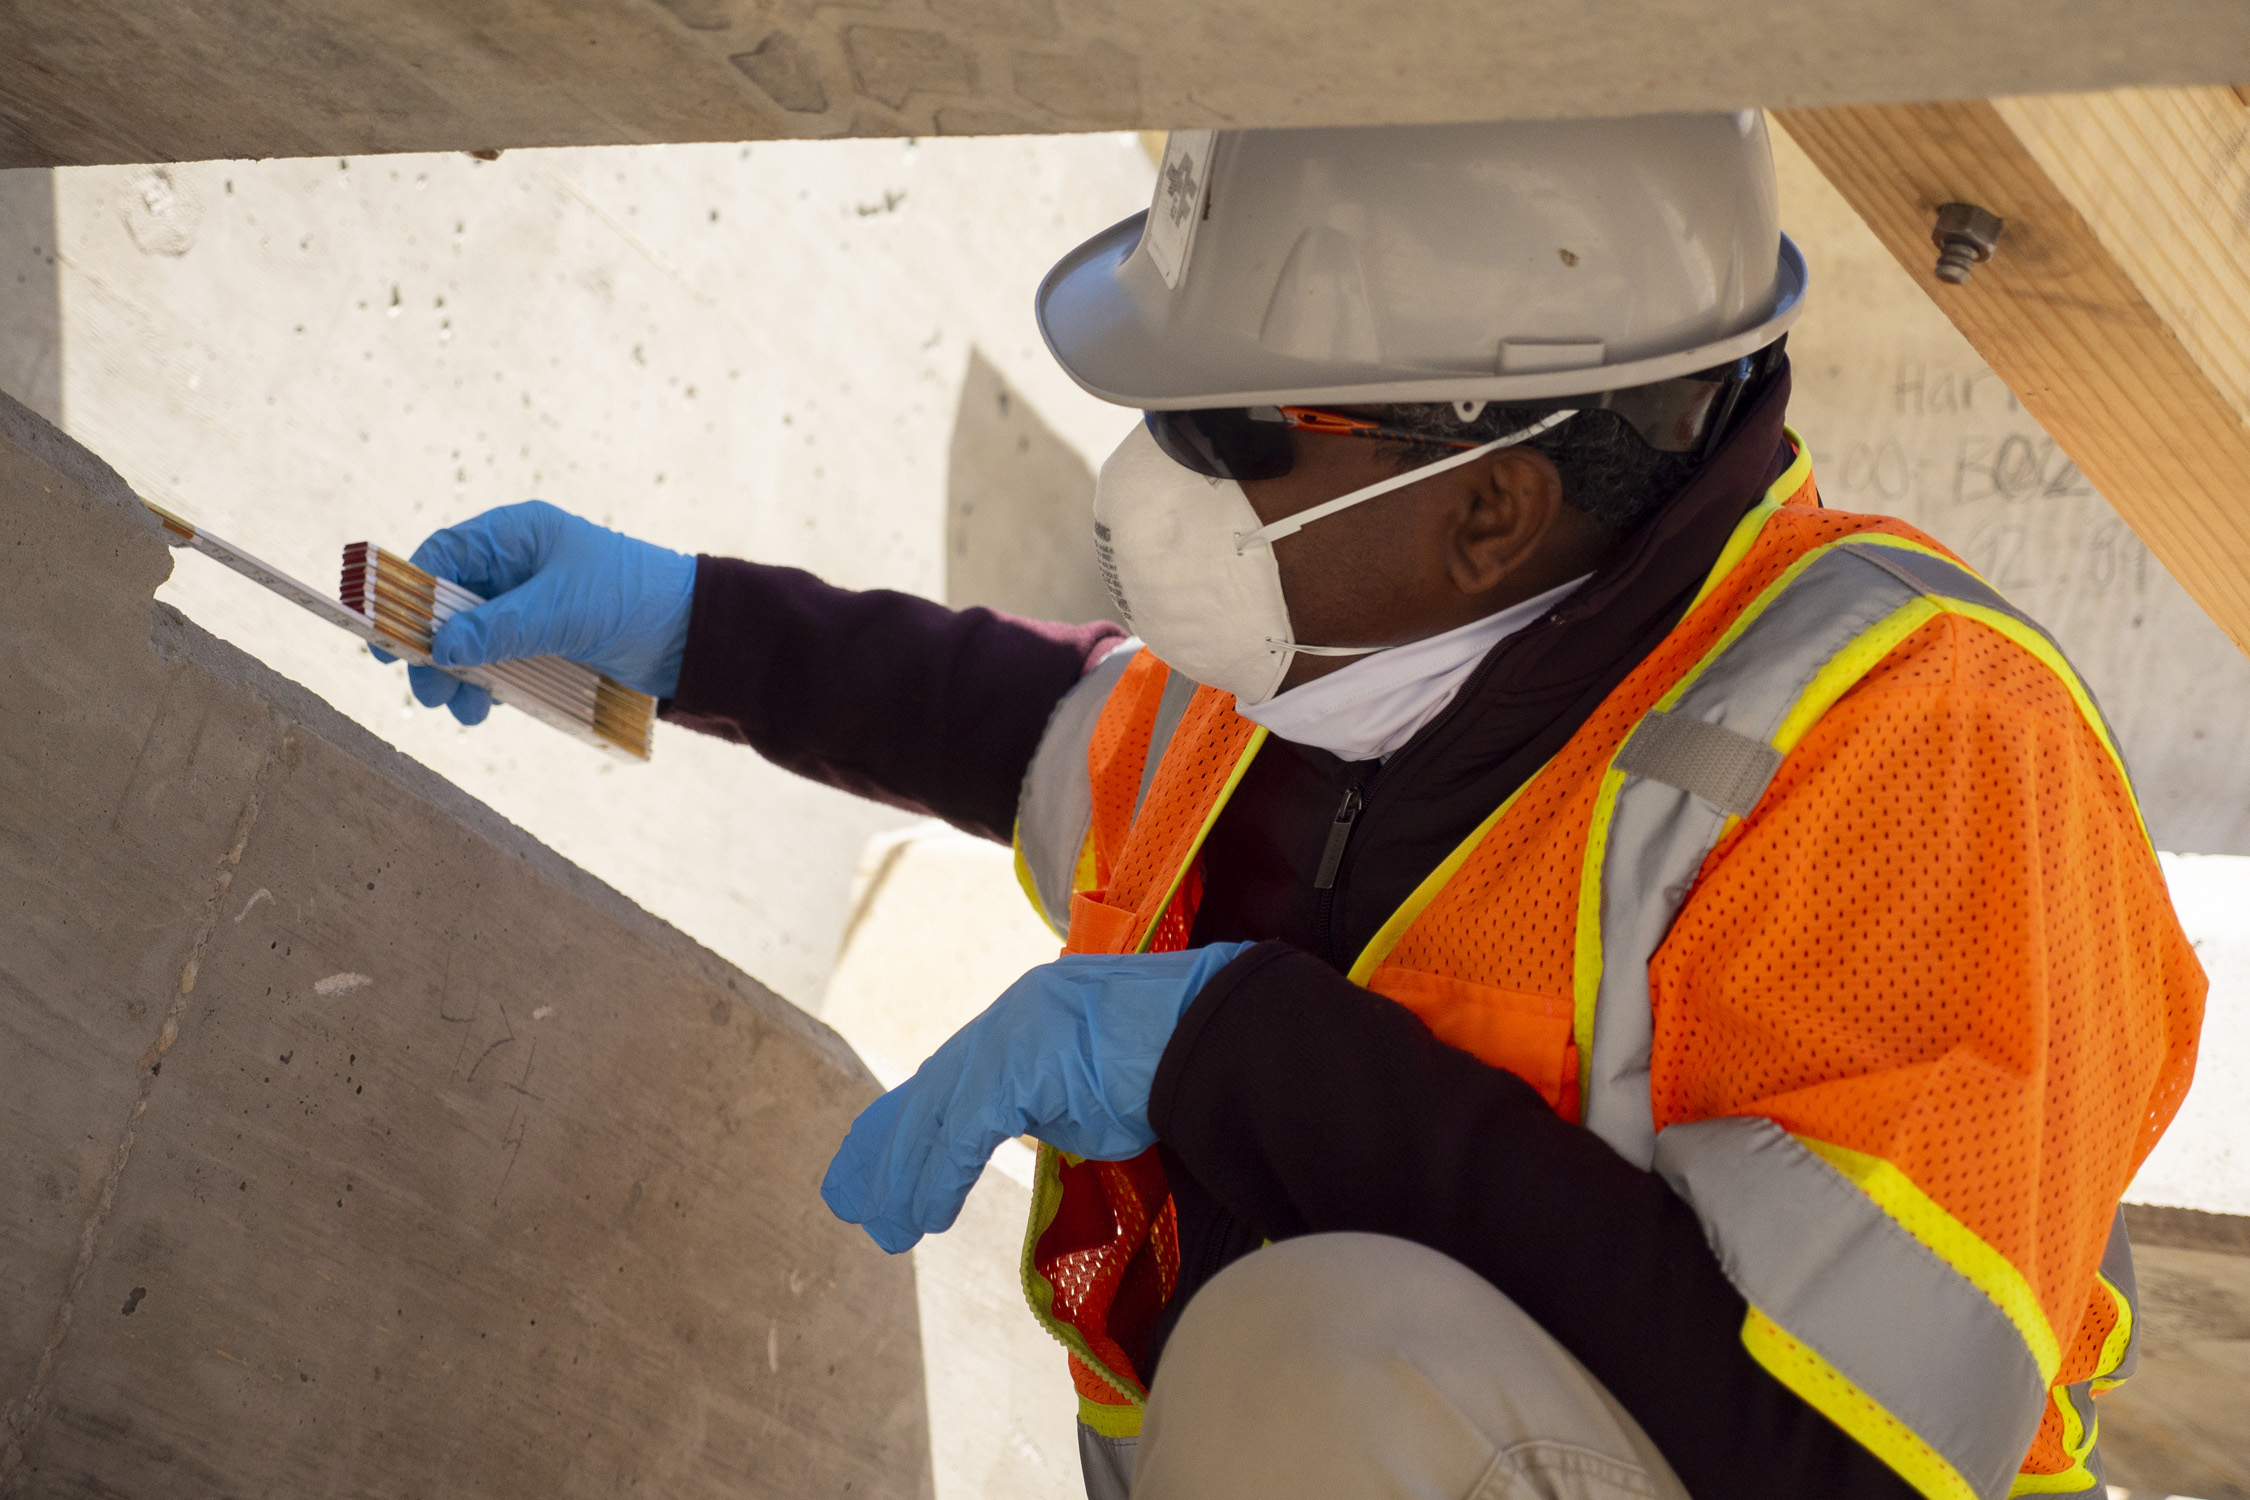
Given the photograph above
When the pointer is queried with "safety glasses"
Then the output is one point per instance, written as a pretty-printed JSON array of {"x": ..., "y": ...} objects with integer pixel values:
[
  {"x": 1252, "y": 442},
  {"x": 1685, "y": 415}
]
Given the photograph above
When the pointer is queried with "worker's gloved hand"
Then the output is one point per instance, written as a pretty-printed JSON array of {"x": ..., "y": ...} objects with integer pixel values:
[
  {"x": 555, "y": 585},
  {"x": 1068, "y": 1053}
]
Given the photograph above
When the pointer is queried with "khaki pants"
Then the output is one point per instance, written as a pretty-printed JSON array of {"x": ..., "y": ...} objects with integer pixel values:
[{"x": 1355, "y": 1365}]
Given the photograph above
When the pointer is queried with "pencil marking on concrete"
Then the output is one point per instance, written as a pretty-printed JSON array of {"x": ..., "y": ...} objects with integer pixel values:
[
  {"x": 511, "y": 1141},
  {"x": 133, "y": 776},
  {"x": 261, "y": 894},
  {"x": 523, "y": 1084},
  {"x": 24, "y": 1417},
  {"x": 341, "y": 984},
  {"x": 476, "y": 1005},
  {"x": 486, "y": 1054}
]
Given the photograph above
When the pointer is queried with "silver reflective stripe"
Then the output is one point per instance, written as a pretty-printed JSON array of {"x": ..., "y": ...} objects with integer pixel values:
[
  {"x": 1106, "y": 1464},
  {"x": 1055, "y": 810},
  {"x": 2117, "y": 1269},
  {"x": 1816, "y": 1255},
  {"x": 1661, "y": 828},
  {"x": 1936, "y": 576},
  {"x": 2081, "y": 1399},
  {"x": 1726, "y": 769},
  {"x": 1170, "y": 709}
]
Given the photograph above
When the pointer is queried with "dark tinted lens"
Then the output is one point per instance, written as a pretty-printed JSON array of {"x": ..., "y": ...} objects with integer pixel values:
[
  {"x": 1671, "y": 415},
  {"x": 1223, "y": 442}
]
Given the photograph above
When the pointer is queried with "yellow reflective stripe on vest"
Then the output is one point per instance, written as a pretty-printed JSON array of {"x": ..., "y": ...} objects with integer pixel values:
[
  {"x": 1039, "y": 1292},
  {"x": 1830, "y": 1392},
  {"x": 2121, "y": 1351},
  {"x": 1739, "y": 542},
  {"x": 1219, "y": 803},
  {"x": 2081, "y": 1428},
  {"x": 1794, "y": 651},
  {"x": 1951, "y": 1241},
  {"x": 1386, "y": 937},
  {"x": 1996, "y": 613},
  {"x": 1833, "y": 1267},
  {"x": 1871, "y": 1301}
]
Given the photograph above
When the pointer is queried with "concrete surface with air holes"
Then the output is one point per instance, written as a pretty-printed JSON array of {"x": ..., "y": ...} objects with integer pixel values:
[{"x": 356, "y": 1138}]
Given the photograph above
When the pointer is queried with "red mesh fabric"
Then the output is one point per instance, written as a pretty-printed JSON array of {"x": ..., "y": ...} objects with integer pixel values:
[
  {"x": 1112, "y": 1252},
  {"x": 1172, "y": 928},
  {"x": 1942, "y": 940},
  {"x": 1110, "y": 1269}
]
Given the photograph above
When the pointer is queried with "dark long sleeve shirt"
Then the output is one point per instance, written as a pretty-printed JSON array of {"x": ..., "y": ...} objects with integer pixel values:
[{"x": 1292, "y": 1101}]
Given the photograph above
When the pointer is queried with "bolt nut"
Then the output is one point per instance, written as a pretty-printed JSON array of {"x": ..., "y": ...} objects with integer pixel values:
[{"x": 1965, "y": 234}]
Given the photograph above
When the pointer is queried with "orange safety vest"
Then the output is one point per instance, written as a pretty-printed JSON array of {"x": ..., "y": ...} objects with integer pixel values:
[{"x": 1919, "y": 1206}]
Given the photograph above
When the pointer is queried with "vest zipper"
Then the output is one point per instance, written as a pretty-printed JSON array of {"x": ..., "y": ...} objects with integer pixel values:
[
  {"x": 1339, "y": 834},
  {"x": 1355, "y": 796}
]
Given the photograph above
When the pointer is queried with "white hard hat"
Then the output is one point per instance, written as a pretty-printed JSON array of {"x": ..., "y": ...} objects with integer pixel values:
[{"x": 1497, "y": 262}]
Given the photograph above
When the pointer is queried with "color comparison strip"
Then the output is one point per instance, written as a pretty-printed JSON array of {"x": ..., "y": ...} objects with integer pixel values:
[{"x": 387, "y": 601}]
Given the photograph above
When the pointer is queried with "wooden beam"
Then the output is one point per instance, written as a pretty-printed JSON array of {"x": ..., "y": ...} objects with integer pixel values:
[{"x": 2117, "y": 305}]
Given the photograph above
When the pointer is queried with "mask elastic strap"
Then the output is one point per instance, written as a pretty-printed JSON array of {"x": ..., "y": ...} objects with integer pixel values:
[
  {"x": 1291, "y": 525},
  {"x": 1274, "y": 645}
]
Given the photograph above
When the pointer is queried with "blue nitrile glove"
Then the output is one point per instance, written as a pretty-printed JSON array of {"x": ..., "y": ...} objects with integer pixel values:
[
  {"x": 554, "y": 585},
  {"x": 1068, "y": 1053}
]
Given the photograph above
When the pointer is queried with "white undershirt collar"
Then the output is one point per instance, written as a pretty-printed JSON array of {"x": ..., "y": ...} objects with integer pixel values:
[{"x": 1366, "y": 710}]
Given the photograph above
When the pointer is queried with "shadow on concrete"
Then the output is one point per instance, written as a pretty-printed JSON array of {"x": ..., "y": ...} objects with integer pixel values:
[
  {"x": 30, "y": 293},
  {"x": 1019, "y": 510}
]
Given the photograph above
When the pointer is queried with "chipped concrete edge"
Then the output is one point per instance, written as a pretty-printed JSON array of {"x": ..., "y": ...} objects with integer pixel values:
[{"x": 175, "y": 638}]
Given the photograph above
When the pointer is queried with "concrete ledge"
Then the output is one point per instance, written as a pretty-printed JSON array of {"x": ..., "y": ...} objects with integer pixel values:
[
  {"x": 2187, "y": 1229},
  {"x": 356, "y": 1142},
  {"x": 110, "y": 81}
]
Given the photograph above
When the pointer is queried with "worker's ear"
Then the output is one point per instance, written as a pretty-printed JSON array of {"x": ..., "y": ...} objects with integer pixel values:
[{"x": 1506, "y": 508}]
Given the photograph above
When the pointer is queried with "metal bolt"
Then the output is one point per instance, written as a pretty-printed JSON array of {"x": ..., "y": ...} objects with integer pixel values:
[{"x": 1965, "y": 234}]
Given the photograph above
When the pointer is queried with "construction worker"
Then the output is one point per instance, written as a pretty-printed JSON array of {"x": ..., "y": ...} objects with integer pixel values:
[{"x": 1587, "y": 973}]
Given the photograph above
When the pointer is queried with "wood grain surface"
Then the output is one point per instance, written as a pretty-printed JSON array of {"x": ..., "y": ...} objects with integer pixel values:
[{"x": 2117, "y": 306}]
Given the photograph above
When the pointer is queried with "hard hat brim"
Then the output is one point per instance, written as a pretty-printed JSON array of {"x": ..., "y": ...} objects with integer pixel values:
[{"x": 1100, "y": 333}]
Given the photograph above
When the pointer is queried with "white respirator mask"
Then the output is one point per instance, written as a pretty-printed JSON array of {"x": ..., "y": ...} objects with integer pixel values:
[{"x": 1193, "y": 573}]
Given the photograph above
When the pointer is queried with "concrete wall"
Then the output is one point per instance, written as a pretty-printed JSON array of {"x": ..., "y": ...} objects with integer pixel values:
[
  {"x": 30, "y": 293},
  {"x": 1017, "y": 524},
  {"x": 355, "y": 1143},
  {"x": 796, "y": 352},
  {"x": 838, "y": 371},
  {"x": 131, "y": 80},
  {"x": 938, "y": 928}
]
